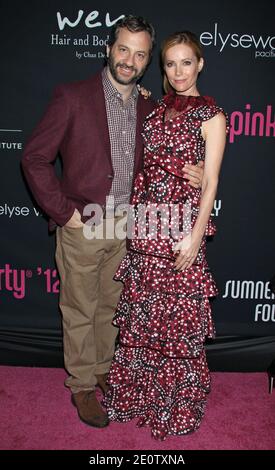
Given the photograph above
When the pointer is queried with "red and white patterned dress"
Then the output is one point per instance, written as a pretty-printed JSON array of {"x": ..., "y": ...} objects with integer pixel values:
[{"x": 159, "y": 372}]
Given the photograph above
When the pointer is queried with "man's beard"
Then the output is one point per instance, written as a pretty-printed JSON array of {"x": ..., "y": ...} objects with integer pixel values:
[{"x": 123, "y": 81}]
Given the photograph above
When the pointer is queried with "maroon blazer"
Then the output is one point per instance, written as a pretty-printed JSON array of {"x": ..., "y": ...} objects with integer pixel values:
[{"x": 75, "y": 125}]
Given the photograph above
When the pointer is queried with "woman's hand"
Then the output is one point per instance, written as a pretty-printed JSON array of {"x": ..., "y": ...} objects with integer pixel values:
[
  {"x": 144, "y": 92},
  {"x": 187, "y": 250}
]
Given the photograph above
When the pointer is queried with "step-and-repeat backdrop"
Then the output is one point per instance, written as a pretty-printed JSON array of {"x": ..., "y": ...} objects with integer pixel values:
[{"x": 49, "y": 42}]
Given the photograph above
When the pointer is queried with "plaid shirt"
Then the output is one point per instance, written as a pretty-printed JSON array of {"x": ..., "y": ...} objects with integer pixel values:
[{"x": 122, "y": 131}]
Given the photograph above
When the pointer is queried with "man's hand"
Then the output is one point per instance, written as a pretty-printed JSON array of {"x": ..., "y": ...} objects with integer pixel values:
[
  {"x": 75, "y": 220},
  {"x": 194, "y": 174}
]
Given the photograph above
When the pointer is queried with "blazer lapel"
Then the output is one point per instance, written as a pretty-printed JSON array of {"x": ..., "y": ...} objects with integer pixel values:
[{"x": 99, "y": 109}]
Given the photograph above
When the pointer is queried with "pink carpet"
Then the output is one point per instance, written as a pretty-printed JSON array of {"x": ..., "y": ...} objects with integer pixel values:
[{"x": 36, "y": 413}]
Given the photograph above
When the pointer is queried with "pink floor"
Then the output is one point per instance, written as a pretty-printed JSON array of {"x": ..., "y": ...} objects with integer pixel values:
[{"x": 36, "y": 413}]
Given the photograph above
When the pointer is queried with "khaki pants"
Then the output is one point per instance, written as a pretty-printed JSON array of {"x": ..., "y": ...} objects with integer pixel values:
[{"x": 88, "y": 298}]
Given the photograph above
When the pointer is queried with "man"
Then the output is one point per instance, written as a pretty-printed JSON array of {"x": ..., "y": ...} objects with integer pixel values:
[{"x": 96, "y": 126}]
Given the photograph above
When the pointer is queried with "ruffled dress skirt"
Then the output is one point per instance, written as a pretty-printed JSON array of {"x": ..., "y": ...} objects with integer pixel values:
[{"x": 159, "y": 373}]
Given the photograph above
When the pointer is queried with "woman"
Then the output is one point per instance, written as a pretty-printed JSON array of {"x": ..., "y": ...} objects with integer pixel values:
[{"x": 159, "y": 372}]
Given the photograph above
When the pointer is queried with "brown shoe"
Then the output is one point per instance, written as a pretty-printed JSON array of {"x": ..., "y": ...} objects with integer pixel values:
[
  {"x": 102, "y": 382},
  {"x": 89, "y": 409}
]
